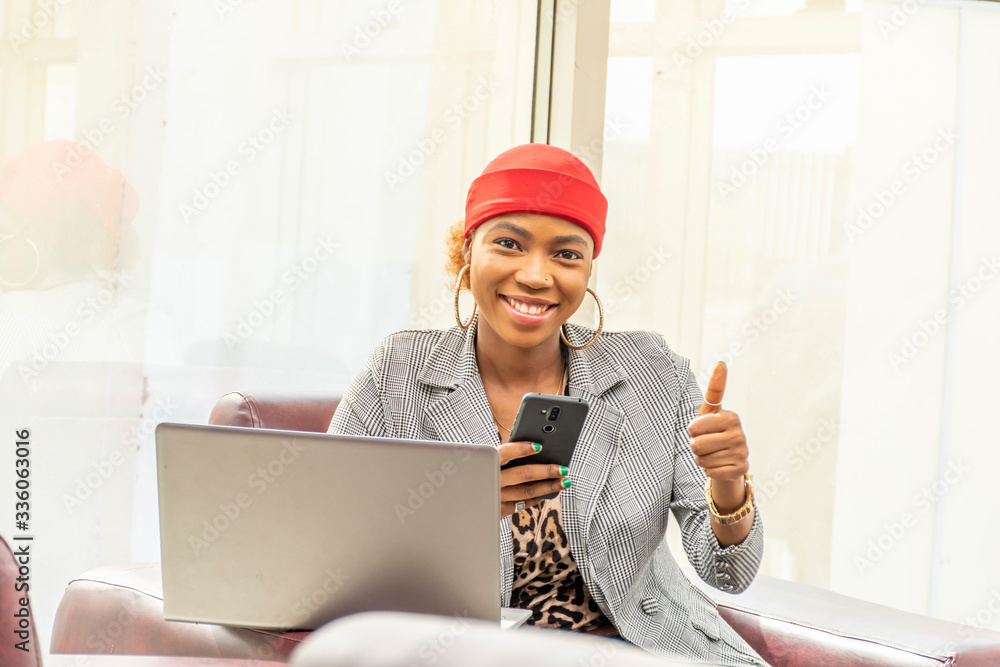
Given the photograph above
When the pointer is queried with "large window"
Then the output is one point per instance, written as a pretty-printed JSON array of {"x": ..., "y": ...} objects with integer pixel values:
[
  {"x": 254, "y": 189},
  {"x": 800, "y": 189}
]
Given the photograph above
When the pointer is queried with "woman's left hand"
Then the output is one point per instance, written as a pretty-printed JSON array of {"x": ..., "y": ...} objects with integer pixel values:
[{"x": 720, "y": 446}]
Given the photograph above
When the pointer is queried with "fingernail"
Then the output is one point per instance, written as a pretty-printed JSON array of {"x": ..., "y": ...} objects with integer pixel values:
[
  {"x": 563, "y": 470},
  {"x": 566, "y": 482},
  {"x": 721, "y": 362},
  {"x": 537, "y": 446}
]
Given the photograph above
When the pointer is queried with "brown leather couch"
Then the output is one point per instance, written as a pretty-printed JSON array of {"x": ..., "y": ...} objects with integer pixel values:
[{"x": 788, "y": 624}]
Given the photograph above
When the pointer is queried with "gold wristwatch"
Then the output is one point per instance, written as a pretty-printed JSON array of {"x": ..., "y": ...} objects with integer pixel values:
[{"x": 738, "y": 515}]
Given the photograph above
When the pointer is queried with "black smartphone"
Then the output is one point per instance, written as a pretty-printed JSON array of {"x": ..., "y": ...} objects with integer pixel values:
[{"x": 553, "y": 421}]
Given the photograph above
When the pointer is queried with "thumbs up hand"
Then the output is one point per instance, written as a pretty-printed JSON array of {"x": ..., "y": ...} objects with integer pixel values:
[{"x": 719, "y": 445}]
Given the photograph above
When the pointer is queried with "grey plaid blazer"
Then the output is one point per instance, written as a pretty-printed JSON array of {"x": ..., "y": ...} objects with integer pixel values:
[{"x": 631, "y": 467}]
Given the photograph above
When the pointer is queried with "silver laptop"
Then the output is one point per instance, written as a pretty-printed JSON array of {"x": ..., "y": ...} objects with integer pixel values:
[{"x": 290, "y": 530}]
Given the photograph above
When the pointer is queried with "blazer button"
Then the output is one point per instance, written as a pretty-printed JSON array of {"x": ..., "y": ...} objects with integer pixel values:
[{"x": 650, "y": 606}]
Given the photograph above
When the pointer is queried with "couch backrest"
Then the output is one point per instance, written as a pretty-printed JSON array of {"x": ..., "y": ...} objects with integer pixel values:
[
  {"x": 288, "y": 411},
  {"x": 795, "y": 625}
]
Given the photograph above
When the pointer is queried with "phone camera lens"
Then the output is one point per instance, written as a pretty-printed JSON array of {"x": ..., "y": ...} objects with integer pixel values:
[
  {"x": 548, "y": 428},
  {"x": 553, "y": 414}
]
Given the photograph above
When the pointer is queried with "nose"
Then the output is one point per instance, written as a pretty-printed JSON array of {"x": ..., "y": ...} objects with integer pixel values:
[{"x": 533, "y": 272}]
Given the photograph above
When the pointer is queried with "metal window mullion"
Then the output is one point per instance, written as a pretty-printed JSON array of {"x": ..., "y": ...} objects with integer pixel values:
[{"x": 541, "y": 96}]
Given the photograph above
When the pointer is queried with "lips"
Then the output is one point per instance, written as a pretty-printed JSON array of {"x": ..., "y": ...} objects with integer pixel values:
[
  {"x": 526, "y": 308},
  {"x": 527, "y": 313}
]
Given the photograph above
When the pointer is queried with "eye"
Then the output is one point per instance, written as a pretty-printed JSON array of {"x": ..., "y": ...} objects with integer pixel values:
[
  {"x": 573, "y": 254},
  {"x": 504, "y": 241}
]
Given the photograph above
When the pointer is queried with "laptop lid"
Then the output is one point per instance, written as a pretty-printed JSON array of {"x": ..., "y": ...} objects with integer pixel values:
[{"x": 286, "y": 529}]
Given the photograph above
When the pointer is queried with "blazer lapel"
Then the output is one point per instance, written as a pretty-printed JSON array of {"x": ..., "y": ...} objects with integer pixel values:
[
  {"x": 459, "y": 414},
  {"x": 591, "y": 374}
]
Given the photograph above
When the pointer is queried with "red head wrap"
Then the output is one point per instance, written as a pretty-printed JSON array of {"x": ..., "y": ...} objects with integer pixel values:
[{"x": 538, "y": 178}]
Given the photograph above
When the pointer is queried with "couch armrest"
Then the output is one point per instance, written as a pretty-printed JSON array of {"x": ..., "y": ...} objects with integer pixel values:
[
  {"x": 793, "y": 625},
  {"x": 119, "y": 609},
  {"x": 287, "y": 411}
]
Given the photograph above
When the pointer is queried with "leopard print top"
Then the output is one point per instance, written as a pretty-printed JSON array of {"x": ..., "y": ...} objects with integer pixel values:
[{"x": 546, "y": 578}]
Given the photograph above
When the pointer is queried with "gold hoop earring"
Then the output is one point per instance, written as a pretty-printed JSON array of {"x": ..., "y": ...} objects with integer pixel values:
[
  {"x": 600, "y": 309},
  {"x": 458, "y": 288}
]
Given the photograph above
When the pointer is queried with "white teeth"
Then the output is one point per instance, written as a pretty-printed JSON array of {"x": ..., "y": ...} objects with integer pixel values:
[{"x": 522, "y": 307}]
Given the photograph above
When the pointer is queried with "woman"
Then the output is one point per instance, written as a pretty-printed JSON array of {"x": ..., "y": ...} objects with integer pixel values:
[{"x": 594, "y": 557}]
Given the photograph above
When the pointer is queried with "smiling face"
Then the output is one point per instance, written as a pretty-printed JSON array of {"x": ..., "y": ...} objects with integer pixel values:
[{"x": 528, "y": 274}]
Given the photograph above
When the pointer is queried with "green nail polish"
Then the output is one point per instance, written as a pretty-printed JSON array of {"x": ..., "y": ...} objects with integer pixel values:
[
  {"x": 563, "y": 470},
  {"x": 537, "y": 446},
  {"x": 566, "y": 482}
]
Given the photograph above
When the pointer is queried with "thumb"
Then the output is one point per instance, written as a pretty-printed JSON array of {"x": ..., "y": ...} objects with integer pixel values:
[{"x": 714, "y": 391}]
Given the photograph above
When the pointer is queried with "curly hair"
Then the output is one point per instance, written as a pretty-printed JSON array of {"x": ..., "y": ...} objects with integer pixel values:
[{"x": 455, "y": 261}]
